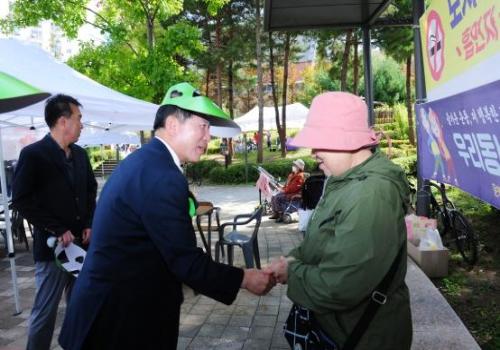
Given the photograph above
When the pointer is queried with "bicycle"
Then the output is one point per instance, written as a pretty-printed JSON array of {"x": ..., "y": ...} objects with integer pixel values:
[{"x": 451, "y": 220}]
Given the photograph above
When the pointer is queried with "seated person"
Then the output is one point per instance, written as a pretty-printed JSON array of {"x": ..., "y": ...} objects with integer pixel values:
[{"x": 292, "y": 187}]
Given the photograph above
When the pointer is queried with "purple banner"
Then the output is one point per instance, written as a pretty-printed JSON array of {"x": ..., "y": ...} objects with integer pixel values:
[{"x": 459, "y": 141}]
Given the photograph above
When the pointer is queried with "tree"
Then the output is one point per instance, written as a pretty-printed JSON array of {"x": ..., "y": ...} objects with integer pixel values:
[
  {"x": 157, "y": 55},
  {"x": 388, "y": 80},
  {"x": 398, "y": 43},
  {"x": 260, "y": 154}
]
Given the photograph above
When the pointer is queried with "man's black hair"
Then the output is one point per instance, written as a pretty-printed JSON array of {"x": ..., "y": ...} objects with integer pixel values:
[
  {"x": 59, "y": 106},
  {"x": 169, "y": 110}
]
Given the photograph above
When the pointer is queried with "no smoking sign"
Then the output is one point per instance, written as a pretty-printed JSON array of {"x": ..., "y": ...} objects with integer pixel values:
[{"x": 435, "y": 45}]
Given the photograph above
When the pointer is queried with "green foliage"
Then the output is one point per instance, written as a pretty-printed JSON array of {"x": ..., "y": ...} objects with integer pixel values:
[
  {"x": 234, "y": 174},
  {"x": 397, "y": 42},
  {"x": 453, "y": 284},
  {"x": 388, "y": 81},
  {"x": 70, "y": 16},
  {"x": 316, "y": 82},
  {"x": 146, "y": 75},
  {"x": 203, "y": 167},
  {"x": 401, "y": 118},
  {"x": 408, "y": 164},
  {"x": 97, "y": 156}
]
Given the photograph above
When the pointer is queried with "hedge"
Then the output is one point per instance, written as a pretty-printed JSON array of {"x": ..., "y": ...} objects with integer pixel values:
[{"x": 235, "y": 173}]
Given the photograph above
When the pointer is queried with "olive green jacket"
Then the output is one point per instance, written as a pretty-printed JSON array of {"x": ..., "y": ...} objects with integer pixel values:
[{"x": 353, "y": 237}]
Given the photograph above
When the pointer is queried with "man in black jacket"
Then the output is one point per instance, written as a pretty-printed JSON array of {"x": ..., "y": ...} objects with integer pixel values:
[{"x": 54, "y": 188}]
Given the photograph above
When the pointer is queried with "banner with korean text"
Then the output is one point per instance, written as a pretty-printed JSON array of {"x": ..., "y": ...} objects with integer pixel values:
[
  {"x": 460, "y": 44},
  {"x": 459, "y": 141}
]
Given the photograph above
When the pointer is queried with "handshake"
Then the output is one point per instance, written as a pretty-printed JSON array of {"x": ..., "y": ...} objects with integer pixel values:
[{"x": 260, "y": 282}]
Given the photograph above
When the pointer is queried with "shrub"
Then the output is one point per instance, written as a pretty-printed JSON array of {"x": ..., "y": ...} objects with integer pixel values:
[
  {"x": 401, "y": 118},
  {"x": 234, "y": 174},
  {"x": 408, "y": 164},
  {"x": 203, "y": 167}
]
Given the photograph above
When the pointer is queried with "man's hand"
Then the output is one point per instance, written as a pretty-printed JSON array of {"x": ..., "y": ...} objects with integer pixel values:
[
  {"x": 258, "y": 282},
  {"x": 66, "y": 238},
  {"x": 279, "y": 267},
  {"x": 86, "y": 233}
]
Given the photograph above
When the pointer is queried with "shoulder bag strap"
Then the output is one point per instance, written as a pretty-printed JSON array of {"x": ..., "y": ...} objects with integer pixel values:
[{"x": 377, "y": 298}]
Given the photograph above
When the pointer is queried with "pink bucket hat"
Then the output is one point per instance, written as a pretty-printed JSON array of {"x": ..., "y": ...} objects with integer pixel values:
[{"x": 337, "y": 121}]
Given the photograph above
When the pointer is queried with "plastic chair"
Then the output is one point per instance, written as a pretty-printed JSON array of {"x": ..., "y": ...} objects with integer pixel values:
[{"x": 249, "y": 244}]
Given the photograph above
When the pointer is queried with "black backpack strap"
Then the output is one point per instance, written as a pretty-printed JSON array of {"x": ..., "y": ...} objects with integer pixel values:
[{"x": 377, "y": 298}]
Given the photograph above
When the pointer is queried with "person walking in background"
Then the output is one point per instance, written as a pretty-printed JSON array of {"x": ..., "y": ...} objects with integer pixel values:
[
  {"x": 355, "y": 239},
  {"x": 292, "y": 187},
  {"x": 268, "y": 139},
  {"x": 54, "y": 188},
  {"x": 129, "y": 292}
]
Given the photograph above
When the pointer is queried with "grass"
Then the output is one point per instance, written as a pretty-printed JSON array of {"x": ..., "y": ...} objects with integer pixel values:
[{"x": 474, "y": 293}]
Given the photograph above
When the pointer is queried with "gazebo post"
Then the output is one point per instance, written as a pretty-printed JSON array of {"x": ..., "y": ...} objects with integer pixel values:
[
  {"x": 423, "y": 196},
  {"x": 367, "y": 58}
]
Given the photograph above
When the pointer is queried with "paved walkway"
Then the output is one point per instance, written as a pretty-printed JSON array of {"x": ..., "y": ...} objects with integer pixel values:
[{"x": 251, "y": 322}]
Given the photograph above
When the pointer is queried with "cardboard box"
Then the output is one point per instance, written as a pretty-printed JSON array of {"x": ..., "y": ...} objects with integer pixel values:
[{"x": 434, "y": 263}]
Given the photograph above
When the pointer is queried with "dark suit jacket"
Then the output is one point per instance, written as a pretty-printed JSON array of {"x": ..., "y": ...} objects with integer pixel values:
[
  {"x": 45, "y": 196},
  {"x": 129, "y": 292}
]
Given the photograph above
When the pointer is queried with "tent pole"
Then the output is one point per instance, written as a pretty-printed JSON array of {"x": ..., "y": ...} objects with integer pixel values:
[
  {"x": 423, "y": 196},
  {"x": 102, "y": 164},
  {"x": 8, "y": 228},
  {"x": 246, "y": 156},
  {"x": 367, "y": 57}
]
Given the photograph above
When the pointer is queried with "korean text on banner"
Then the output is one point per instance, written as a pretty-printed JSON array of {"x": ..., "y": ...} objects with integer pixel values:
[
  {"x": 459, "y": 141},
  {"x": 458, "y": 35}
]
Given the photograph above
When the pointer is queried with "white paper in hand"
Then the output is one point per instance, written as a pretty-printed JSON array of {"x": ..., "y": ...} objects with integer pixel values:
[{"x": 70, "y": 258}]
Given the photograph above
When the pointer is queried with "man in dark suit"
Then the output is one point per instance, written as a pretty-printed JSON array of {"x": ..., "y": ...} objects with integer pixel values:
[
  {"x": 129, "y": 293},
  {"x": 54, "y": 188}
]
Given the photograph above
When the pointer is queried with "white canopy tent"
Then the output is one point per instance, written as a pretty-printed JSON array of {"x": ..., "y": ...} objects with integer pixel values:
[
  {"x": 102, "y": 106},
  {"x": 296, "y": 115},
  {"x": 92, "y": 138}
]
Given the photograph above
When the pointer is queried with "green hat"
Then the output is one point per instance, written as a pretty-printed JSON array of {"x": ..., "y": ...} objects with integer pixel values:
[
  {"x": 15, "y": 94},
  {"x": 185, "y": 96}
]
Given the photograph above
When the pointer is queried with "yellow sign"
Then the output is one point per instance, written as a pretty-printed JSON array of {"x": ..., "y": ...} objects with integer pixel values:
[{"x": 457, "y": 35}]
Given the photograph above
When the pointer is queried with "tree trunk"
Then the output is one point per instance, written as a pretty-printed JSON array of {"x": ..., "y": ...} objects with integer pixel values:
[
  {"x": 273, "y": 86},
  {"x": 230, "y": 93},
  {"x": 260, "y": 154},
  {"x": 345, "y": 61},
  {"x": 411, "y": 134},
  {"x": 207, "y": 82},
  {"x": 284, "y": 98},
  {"x": 218, "y": 68},
  {"x": 355, "y": 65}
]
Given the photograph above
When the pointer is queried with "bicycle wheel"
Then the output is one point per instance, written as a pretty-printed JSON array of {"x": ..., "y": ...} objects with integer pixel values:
[{"x": 465, "y": 238}]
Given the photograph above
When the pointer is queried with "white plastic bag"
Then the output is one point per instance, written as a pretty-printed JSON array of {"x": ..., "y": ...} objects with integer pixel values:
[
  {"x": 304, "y": 216},
  {"x": 431, "y": 240}
]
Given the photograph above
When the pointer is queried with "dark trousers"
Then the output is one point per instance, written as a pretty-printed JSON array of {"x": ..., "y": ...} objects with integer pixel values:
[{"x": 113, "y": 336}]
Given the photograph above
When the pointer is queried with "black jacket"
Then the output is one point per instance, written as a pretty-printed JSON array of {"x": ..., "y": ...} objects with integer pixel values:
[{"x": 45, "y": 195}]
